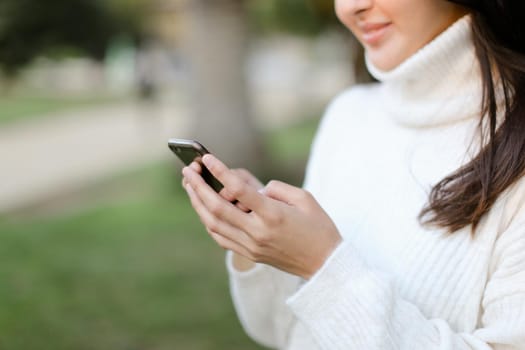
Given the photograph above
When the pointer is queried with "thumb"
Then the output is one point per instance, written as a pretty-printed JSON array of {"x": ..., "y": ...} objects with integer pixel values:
[{"x": 284, "y": 192}]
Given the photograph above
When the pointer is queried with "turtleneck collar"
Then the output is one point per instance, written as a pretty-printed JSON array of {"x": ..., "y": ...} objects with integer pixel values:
[{"x": 438, "y": 85}]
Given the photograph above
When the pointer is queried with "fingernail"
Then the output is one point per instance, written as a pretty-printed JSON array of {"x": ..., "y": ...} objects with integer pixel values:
[{"x": 207, "y": 159}]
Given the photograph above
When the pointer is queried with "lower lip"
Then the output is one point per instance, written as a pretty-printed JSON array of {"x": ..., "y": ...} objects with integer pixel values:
[{"x": 373, "y": 37}]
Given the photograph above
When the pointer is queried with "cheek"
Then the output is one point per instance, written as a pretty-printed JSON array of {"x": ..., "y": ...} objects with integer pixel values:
[
  {"x": 342, "y": 7},
  {"x": 344, "y": 12}
]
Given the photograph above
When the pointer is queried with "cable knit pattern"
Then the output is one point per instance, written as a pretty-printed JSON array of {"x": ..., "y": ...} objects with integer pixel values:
[
  {"x": 424, "y": 81},
  {"x": 393, "y": 284}
]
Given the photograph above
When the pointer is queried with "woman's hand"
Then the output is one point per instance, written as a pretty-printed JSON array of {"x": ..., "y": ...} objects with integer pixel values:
[
  {"x": 241, "y": 263},
  {"x": 280, "y": 225}
]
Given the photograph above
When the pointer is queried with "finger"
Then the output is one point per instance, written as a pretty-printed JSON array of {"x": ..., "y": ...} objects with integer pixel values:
[
  {"x": 196, "y": 166},
  {"x": 235, "y": 185},
  {"x": 286, "y": 193},
  {"x": 230, "y": 245},
  {"x": 227, "y": 195},
  {"x": 242, "y": 207},
  {"x": 184, "y": 180},
  {"x": 214, "y": 224},
  {"x": 251, "y": 181},
  {"x": 193, "y": 165},
  {"x": 230, "y": 198},
  {"x": 214, "y": 203},
  {"x": 248, "y": 178}
]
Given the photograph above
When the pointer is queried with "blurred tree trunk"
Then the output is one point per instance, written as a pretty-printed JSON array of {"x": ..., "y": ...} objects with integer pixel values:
[{"x": 215, "y": 39}]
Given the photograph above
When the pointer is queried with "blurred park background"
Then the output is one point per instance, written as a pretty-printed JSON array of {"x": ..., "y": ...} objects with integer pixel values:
[{"x": 99, "y": 248}]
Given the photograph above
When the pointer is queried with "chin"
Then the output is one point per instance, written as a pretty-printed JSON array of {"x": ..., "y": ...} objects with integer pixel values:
[{"x": 383, "y": 60}]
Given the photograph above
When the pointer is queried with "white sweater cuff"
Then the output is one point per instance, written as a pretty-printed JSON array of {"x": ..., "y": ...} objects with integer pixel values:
[
  {"x": 337, "y": 270},
  {"x": 342, "y": 295}
]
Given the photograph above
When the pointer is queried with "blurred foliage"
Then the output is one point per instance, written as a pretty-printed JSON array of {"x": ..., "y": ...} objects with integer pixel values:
[
  {"x": 26, "y": 106},
  {"x": 29, "y": 28},
  {"x": 289, "y": 144},
  {"x": 306, "y": 17}
]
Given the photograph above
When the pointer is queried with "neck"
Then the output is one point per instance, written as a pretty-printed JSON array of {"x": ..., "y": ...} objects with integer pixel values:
[{"x": 440, "y": 84}]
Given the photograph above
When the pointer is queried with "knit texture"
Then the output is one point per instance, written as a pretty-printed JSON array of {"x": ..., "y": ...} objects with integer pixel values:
[{"x": 393, "y": 284}]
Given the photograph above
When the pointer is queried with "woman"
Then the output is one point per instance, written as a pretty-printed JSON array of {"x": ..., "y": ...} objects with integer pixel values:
[{"x": 413, "y": 236}]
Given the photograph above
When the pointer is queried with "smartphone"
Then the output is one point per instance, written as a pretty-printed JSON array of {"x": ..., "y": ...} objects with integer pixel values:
[{"x": 190, "y": 151}]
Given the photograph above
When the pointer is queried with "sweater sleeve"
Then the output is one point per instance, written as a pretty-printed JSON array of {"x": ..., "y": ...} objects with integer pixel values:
[
  {"x": 347, "y": 305},
  {"x": 259, "y": 297}
]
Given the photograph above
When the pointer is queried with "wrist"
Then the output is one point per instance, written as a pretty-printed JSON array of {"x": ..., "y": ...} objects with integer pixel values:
[
  {"x": 324, "y": 257},
  {"x": 240, "y": 263}
]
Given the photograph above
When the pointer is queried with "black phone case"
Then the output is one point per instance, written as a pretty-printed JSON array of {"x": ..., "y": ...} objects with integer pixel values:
[{"x": 189, "y": 151}]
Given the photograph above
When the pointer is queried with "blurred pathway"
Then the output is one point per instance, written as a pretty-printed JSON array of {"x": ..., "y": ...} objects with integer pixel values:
[
  {"x": 43, "y": 158},
  {"x": 40, "y": 158}
]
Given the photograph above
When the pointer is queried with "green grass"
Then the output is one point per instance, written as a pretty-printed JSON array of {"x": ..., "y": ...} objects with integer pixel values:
[
  {"x": 137, "y": 271},
  {"x": 19, "y": 107}
]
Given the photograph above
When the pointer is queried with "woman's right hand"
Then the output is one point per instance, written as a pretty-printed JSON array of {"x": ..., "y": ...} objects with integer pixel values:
[{"x": 240, "y": 262}]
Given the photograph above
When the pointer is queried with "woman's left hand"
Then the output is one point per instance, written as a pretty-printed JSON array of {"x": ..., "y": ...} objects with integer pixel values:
[{"x": 284, "y": 227}]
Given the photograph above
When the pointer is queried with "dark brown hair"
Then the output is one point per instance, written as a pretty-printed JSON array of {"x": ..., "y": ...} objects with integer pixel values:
[{"x": 465, "y": 196}]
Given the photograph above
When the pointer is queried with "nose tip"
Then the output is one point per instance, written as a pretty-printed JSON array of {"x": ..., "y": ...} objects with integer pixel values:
[{"x": 349, "y": 7}]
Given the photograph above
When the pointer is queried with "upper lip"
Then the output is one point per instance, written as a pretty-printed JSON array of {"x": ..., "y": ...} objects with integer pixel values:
[{"x": 370, "y": 26}]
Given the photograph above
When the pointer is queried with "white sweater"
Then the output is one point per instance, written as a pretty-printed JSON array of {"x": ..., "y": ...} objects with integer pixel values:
[{"x": 393, "y": 284}]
